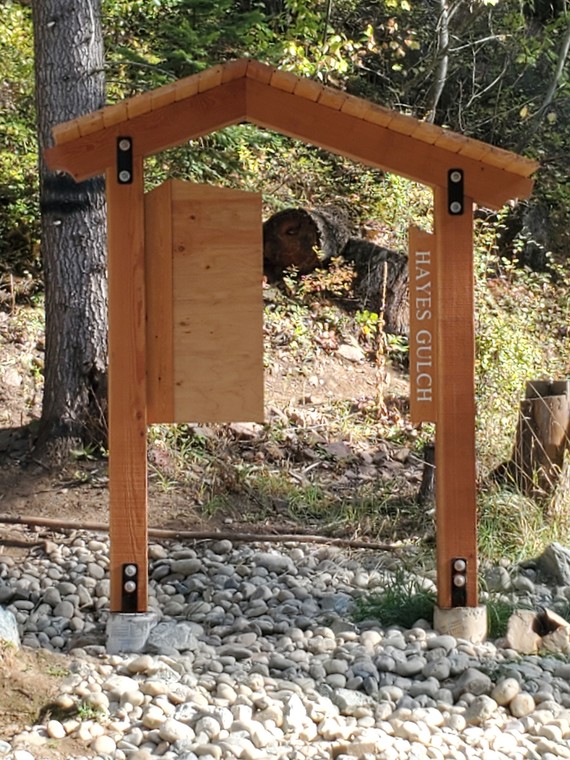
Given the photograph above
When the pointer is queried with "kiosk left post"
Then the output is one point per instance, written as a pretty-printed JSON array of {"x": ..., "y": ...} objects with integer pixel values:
[{"x": 128, "y": 509}]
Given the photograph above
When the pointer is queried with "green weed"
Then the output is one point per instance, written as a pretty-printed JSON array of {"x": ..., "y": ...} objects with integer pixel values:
[
  {"x": 403, "y": 602},
  {"x": 85, "y": 711},
  {"x": 498, "y": 613},
  {"x": 514, "y": 527}
]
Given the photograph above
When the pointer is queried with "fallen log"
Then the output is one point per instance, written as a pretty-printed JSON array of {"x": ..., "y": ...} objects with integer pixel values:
[
  {"x": 208, "y": 535},
  {"x": 306, "y": 239},
  {"x": 378, "y": 271}
]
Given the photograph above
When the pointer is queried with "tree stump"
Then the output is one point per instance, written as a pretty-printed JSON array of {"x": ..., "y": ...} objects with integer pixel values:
[
  {"x": 543, "y": 431},
  {"x": 426, "y": 492}
]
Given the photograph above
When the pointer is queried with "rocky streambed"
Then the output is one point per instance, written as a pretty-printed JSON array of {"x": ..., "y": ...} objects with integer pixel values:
[{"x": 255, "y": 653}]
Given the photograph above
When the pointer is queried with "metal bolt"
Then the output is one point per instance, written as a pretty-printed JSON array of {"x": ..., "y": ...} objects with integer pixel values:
[
  {"x": 455, "y": 207},
  {"x": 455, "y": 176},
  {"x": 459, "y": 581},
  {"x": 124, "y": 144},
  {"x": 130, "y": 586},
  {"x": 124, "y": 175},
  {"x": 130, "y": 570},
  {"x": 460, "y": 565}
]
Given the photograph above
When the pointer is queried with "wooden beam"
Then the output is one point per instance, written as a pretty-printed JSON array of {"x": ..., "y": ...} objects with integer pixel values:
[
  {"x": 174, "y": 123},
  {"x": 337, "y": 122},
  {"x": 378, "y": 146},
  {"x": 456, "y": 507},
  {"x": 127, "y": 385}
]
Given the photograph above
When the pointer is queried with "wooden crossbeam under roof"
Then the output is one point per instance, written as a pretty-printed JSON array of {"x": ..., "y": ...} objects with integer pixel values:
[{"x": 246, "y": 90}]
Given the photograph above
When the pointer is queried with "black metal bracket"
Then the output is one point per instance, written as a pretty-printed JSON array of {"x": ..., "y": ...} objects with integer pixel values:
[
  {"x": 129, "y": 587},
  {"x": 455, "y": 192},
  {"x": 124, "y": 160},
  {"x": 458, "y": 582}
]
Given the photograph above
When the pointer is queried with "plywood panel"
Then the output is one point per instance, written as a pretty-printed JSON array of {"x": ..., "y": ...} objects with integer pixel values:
[
  {"x": 158, "y": 276},
  {"x": 218, "y": 310},
  {"x": 127, "y": 384},
  {"x": 456, "y": 508},
  {"x": 423, "y": 352}
]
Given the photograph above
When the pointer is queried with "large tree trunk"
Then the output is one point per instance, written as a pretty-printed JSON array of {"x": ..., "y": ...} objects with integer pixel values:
[
  {"x": 302, "y": 239},
  {"x": 70, "y": 82}
]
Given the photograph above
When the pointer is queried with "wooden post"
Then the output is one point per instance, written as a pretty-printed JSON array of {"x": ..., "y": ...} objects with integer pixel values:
[
  {"x": 456, "y": 508},
  {"x": 543, "y": 432},
  {"x": 127, "y": 389}
]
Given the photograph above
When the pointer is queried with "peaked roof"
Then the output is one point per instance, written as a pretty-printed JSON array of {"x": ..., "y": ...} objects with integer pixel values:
[{"x": 247, "y": 90}]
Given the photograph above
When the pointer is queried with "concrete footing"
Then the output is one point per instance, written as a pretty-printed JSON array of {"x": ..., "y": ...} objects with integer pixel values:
[
  {"x": 468, "y": 623},
  {"x": 128, "y": 632}
]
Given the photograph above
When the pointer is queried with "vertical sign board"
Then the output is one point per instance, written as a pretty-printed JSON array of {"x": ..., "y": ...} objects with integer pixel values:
[
  {"x": 204, "y": 304},
  {"x": 422, "y": 326}
]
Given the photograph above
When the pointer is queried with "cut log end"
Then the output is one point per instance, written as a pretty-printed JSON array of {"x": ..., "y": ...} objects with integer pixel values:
[{"x": 306, "y": 239}]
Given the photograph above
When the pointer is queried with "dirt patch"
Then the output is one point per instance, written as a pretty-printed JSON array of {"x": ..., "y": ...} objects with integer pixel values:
[
  {"x": 29, "y": 682},
  {"x": 316, "y": 402}
]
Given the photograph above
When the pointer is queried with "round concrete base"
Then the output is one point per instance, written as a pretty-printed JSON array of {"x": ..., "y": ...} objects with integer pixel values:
[
  {"x": 468, "y": 623},
  {"x": 128, "y": 632}
]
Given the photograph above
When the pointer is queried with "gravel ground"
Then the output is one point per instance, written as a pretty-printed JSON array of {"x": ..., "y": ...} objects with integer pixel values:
[{"x": 254, "y": 653}]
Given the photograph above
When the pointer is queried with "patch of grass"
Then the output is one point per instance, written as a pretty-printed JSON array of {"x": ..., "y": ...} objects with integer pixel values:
[
  {"x": 86, "y": 711},
  {"x": 404, "y": 601},
  {"x": 498, "y": 613},
  {"x": 215, "y": 504},
  {"x": 29, "y": 681},
  {"x": 514, "y": 527}
]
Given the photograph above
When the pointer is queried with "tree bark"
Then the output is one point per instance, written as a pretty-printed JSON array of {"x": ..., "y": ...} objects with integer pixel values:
[
  {"x": 70, "y": 82},
  {"x": 443, "y": 61},
  {"x": 551, "y": 91},
  {"x": 302, "y": 239}
]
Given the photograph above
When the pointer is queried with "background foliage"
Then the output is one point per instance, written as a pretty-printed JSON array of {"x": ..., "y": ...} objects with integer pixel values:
[{"x": 496, "y": 70}]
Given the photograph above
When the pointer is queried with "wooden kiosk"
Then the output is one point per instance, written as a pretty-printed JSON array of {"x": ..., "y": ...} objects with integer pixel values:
[{"x": 150, "y": 276}]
